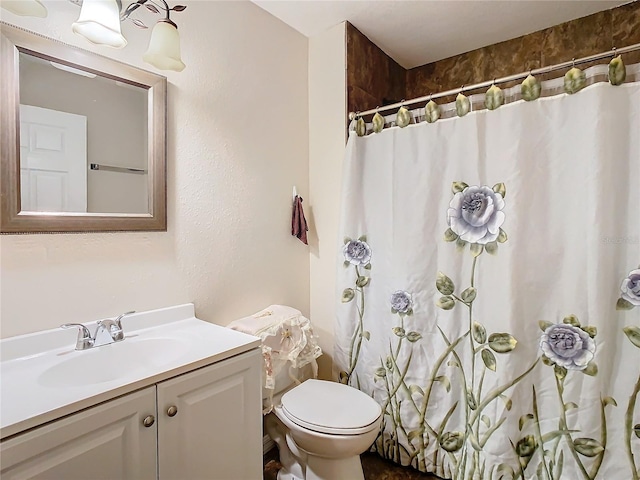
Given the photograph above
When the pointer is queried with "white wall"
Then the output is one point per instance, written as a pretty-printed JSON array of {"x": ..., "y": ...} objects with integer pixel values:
[
  {"x": 327, "y": 114},
  {"x": 237, "y": 143}
]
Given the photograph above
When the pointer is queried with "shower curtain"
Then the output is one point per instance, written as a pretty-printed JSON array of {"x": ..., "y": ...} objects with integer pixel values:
[{"x": 489, "y": 286}]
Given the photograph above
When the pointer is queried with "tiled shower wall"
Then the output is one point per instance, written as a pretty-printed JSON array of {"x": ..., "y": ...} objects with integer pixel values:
[{"x": 375, "y": 79}]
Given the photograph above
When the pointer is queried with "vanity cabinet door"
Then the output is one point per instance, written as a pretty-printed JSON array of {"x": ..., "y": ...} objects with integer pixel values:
[
  {"x": 210, "y": 422},
  {"x": 105, "y": 442}
]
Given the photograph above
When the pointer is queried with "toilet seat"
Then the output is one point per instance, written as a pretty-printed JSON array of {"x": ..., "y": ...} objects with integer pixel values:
[{"x": 330, "y": 408}]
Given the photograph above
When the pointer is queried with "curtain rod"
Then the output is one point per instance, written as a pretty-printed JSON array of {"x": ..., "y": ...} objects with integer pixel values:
[{"x": 517, "y": 76}]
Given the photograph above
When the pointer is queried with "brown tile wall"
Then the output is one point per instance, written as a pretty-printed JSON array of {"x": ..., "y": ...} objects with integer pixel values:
[
  {"x": 625, "y": 28},
  {"x": 373, "y": 77}
]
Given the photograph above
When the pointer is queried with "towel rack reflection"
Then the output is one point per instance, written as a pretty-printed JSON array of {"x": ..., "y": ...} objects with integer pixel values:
[{"x": 110, "y": 168}]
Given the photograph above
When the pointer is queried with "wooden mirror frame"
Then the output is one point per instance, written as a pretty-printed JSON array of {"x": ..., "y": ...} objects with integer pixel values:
[{"x": 13, "y": 41}]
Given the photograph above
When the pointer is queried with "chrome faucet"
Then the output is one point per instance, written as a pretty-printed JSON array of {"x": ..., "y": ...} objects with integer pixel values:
[
  {"x": 84, "y": 340},
  {"x": 108, "y": 331}
]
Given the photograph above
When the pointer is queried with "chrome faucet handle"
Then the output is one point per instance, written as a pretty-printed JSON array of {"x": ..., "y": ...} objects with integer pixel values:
[
  {"x": 84, "y": 339},
  {"x": 111, "y": 328},
  {"x": 118, "y": 321}
]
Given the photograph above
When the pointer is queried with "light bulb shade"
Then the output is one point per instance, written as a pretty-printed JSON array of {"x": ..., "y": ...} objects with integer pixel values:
[
  {"x": 164, "y": 47},
  {"x": 25, "y": 8},
  {"x": 99, "y": 22}
]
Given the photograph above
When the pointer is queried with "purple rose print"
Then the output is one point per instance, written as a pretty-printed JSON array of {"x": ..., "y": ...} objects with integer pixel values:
[
  {"x": 401, "y": 302},
  {"x": 568, "y": 346},
  {"x": 631, "y": 288},
  {"x": 475, "y": 214},
  {"x": 357, "y": 252}
]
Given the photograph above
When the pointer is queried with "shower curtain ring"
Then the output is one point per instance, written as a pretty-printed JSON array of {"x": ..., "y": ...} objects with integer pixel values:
[
  {"x": 462, "y": 89},
  {"x": 613, "y": 51},
  {"x": 573, "y": 62}
]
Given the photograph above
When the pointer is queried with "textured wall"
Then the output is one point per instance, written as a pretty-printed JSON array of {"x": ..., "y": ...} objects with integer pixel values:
[
  {"x": 237, "y": 143},
  {"x": 327, "y": 111},
  {"x": 585, "y": 36}
]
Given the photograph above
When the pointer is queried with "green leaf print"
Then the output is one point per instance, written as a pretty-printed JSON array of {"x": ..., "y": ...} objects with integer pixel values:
[{"x": 502, "y": 342}]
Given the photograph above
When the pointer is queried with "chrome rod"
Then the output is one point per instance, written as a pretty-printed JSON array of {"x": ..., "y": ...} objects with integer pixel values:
[
  {"x": 110, "y": 168},
  {"x": 510, "y": 78}
]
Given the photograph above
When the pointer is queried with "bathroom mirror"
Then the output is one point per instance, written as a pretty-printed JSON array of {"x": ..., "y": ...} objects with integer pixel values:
[{"x": 83, "y": 140}]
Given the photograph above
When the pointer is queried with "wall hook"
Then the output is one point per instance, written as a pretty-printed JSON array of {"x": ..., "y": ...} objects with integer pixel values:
[{"x": 295, "y": 193}]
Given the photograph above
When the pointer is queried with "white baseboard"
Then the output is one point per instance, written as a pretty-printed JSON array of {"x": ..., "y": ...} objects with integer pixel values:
[{"x": 267, "y": 444}]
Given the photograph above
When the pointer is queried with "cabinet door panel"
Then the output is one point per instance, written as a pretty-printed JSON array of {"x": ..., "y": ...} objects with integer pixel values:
[
  {"x": 217, "y": 430},
  {"x": 105, "y": 442}
]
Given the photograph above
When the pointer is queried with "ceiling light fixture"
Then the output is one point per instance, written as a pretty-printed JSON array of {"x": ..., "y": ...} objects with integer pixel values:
[
  {"x": 164, "y": 46},
  {"x": 100, "y": 23}
]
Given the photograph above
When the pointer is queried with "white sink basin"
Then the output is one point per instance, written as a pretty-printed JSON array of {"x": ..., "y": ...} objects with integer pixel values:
[
  {"x": 113, "y": 361},
  {"x": 45, "y": 378}
]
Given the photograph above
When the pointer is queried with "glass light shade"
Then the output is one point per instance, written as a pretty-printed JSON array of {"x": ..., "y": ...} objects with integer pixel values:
[
  {"x": 99, "y": 22},
  {"x": 25, "y": 8},
  {"x": 164, "y": 47}
]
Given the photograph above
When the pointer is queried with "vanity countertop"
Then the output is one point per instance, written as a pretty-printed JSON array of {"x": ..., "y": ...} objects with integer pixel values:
[{"x": 43, "y": 377}]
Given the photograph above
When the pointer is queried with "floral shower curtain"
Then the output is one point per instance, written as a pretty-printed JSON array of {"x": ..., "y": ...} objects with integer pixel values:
[{"x": 490, "y": 291}]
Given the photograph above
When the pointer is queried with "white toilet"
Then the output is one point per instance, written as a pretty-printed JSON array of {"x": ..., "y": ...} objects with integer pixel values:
[{"x": 321, "y": 428}]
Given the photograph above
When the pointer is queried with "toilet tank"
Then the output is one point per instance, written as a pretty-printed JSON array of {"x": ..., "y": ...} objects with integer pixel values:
[
  {"x": 289, "y": 348},
  {"x": 287, "y": 378}
]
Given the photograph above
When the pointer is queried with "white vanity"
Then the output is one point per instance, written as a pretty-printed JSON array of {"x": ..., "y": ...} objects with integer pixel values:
[{"x": 178, "y": 398}]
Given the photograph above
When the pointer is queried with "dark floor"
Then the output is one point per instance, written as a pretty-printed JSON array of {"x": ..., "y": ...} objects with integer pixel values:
[{"x": 374, "y": 467}]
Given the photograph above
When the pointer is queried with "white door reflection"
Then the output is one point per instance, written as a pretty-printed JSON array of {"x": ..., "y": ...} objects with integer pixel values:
[{"x": 53, "y": 160}]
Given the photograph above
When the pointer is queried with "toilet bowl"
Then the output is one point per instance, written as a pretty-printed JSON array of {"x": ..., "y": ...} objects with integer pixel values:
[{"x": 321, "y": 428}]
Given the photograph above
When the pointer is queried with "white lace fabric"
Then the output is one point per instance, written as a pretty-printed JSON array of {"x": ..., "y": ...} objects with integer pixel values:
[{"x": 287, "y": 340}]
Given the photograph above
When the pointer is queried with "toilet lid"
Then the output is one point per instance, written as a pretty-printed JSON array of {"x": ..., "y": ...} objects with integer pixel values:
[{"x": 331, "y": 407}]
